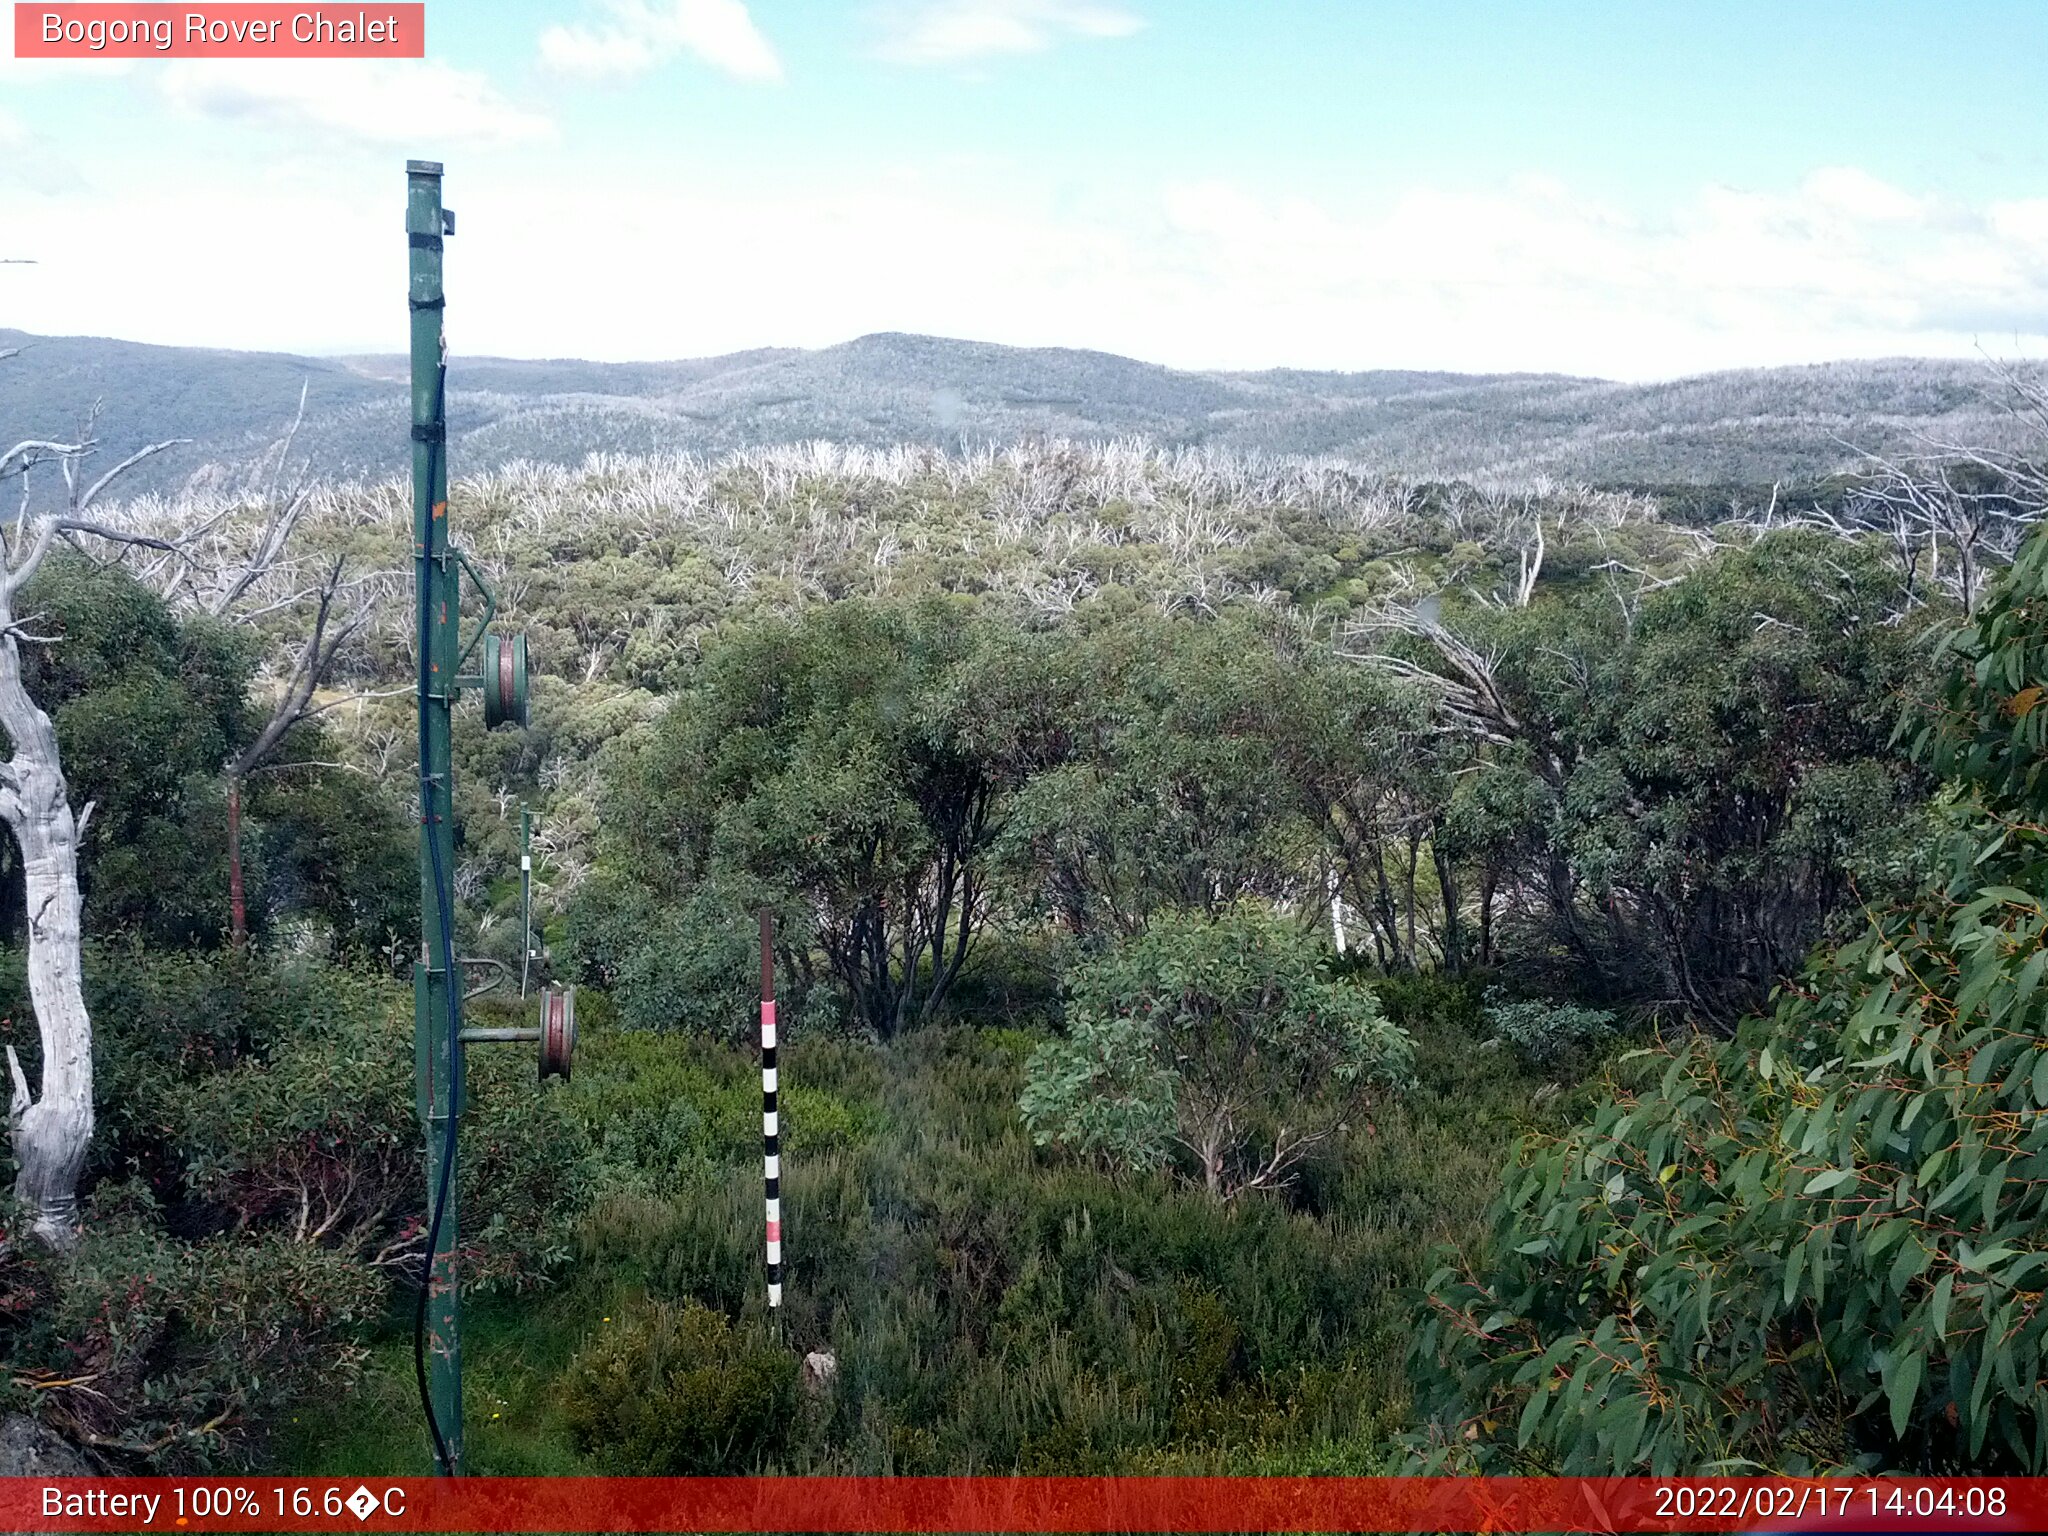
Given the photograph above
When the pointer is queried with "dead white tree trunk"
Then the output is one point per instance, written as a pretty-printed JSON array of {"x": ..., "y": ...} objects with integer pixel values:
[
  {"x": 1531, "y": 565},
  {"x": 51, "y": 1130},
  {"x": 50, "y": 1126}
]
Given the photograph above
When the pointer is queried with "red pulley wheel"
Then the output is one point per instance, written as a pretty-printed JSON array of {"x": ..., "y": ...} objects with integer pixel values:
[
  {"x": 557, "y": 1031},
  {"x": 504, "y": 680}
]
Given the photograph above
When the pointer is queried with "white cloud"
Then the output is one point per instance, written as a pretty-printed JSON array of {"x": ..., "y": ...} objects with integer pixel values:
[
  {"x": 2024, "y": 221},
  {"x": 1527, "y": 275},
  {"x": 1530, "y": 274},
  {"x": 636, "y": 36},
  {"x": 31, "y": 160},
  {"x": 1860, "y": 195},
  {"x": 25, "y": 72},
  {"x": 378, "y": 101},
  {"x": 953, "y": 31}
]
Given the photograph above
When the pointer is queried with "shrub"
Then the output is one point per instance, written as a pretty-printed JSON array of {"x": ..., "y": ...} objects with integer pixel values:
[
  {"x": 1225, "y": 1040},
  {"x": 658, "y": 1110},
  {"x": 1421, "y": 1000},
  {"x": 258, "y": 1185},
  {"x": 687, "y": 964},
  {"x": 676, "y": 1390},
  {"x": 170, "y": 1354},
  {"x": 1550, "y": 1035},
  {"x": 995, "y": 1309},
  {"x": 319, "y": 1139}
]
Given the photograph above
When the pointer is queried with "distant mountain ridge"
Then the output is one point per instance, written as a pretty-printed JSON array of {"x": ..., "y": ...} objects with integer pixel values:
[{"x": 1751, "y": 426}]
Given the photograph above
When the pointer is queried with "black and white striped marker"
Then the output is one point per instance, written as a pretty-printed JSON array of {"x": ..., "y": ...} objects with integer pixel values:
[{"x": 771, "y": 1130}]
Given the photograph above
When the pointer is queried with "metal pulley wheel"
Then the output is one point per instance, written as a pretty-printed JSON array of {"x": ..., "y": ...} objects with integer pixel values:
[
  {"x": 504, "y": 679},
  {"x": 557, "y": 1031}
]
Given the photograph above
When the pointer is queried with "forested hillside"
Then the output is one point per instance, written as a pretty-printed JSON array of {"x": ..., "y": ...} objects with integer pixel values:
[
  {"x": 1285, "y": 967},
  {"x": 1739, "y": 430}
]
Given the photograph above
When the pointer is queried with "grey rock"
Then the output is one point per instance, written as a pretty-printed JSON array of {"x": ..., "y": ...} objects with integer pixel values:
[
  {"x": 820, "y": 1366},
  {"x": 29, "y": 1449}
]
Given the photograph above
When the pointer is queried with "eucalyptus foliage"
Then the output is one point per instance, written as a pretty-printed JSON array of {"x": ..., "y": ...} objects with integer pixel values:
[
  {"x": 832, "y": 768},
  {"x": 1820, "y": 1244},
  {"x": 1192, "y": 765},
  {"x": 148, "y": 706},
  {"x": 1694, "y": 777},
  {"x": 1224, "y": 1043}
]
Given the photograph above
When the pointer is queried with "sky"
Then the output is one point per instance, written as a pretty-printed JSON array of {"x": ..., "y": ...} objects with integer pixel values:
[{"x": 1634, "y": 189}]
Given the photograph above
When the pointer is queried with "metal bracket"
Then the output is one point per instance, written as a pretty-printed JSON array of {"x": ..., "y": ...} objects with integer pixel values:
[
  {"x": 501, "y": 969},
  {"x": 490, "y": 613}
]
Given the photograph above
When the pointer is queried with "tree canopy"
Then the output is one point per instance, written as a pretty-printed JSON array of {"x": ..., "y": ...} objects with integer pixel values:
[{"x": 1817, "y": 1245}]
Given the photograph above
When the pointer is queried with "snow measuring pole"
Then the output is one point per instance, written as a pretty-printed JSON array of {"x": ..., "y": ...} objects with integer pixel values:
[{"x": 438, "y": 994}]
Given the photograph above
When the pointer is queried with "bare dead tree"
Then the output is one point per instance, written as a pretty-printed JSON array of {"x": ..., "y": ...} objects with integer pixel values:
[
  {"x": 1952, "y": 514},
  {"x": 50, "y": 1130},
  {"x": 1936, "y": 496},
  {"x": 1467, "y": 689},
  {"x": 310, "y": 666},
  {"x": 50, "y": 1125},
  {"x": 1530, "y": 557},
  {"x": 250, "y": 578},
  {"x": 1629, "y": 599}
]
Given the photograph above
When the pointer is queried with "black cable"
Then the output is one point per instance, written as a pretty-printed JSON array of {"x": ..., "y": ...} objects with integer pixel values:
[{"x": 440, "y": 1206}]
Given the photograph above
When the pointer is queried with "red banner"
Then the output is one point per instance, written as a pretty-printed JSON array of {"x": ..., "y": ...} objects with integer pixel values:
[
  {"x": 1023, "y": 1504},
  {"x": 235, "y": 31}
]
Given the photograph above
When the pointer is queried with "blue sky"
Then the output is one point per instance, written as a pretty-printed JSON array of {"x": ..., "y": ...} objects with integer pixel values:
[{"x": 1634, "y": 190}]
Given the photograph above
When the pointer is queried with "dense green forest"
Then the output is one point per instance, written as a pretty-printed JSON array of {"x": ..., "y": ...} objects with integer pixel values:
[{"x": 1284, "y": 969}]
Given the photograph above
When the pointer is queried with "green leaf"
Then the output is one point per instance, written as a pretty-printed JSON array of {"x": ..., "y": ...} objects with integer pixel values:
[
  {"x": 1955, "y": 1187},
  {"x": 1914, "y": 1257},
  {"x": 1982, "y": 1262},
  {"x": 1829, "y": 1180},
  {"x": 1902, "y": 1382},
  {"x": 2026, "y": 1266},
  {"x": 1795, "y": 1261},
  {"x": 1994, "y": 1186},
  {"x": 2030, "y": 978},
  {"x": 1630, "y": 1435},
  {"x": 1525, "y": 1430},
  {"x": 1944, "y": 1292}
]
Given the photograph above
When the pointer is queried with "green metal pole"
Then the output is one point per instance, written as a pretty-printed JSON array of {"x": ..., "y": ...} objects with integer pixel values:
[
  {"x": 525, "y": 896},
  {"x": 437, "y": 993}
]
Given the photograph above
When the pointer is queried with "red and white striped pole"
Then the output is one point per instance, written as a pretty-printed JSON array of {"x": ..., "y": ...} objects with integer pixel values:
[{"x": 771, "y": 1130}]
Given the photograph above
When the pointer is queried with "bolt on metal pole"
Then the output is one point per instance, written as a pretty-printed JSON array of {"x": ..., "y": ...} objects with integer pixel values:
[{"x": 437, "y": 990}]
